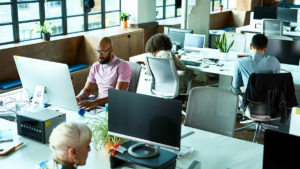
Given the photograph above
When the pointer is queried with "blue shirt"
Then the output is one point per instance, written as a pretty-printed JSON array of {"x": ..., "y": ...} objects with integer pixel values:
[{"x": 257, "y": 63}]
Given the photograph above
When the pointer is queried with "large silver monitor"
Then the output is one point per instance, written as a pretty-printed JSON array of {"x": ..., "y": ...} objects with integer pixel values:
[{"x": 55, "y": 77}]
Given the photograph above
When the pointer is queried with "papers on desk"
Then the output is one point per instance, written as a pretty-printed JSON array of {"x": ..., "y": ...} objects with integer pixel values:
[
  {"x": 6, "y": 135},
  {"x": 295, "y": 121}
]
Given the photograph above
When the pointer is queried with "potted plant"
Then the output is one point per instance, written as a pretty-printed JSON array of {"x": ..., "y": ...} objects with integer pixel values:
[
  {"x": 124, "y": 18},
  {"x": 221, "y": 7},
  {"x": 44, "y": 29},
  {"x": 223, "y": 45},
  {"x": 101, "y": 138}
]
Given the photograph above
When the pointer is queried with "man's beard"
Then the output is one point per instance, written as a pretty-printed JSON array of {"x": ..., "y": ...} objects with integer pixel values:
[{"x": 106, "y": 60}]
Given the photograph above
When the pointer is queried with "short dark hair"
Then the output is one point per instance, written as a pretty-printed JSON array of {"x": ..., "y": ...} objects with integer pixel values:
[
  {"x": 158, "y": 42},
  {"x": 259, "y": 41}
]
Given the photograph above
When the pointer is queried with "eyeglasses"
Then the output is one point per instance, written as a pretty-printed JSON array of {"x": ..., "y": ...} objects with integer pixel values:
[{"x": 102, "y": 51}]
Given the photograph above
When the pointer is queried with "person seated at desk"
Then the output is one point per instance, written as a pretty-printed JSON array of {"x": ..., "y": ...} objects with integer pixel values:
[
  {"x": 160, "y": 45},
  {"x": 69, "y": 143},
  {"x": 256, "y": 63},
  {"x": 108, "y": 72}
]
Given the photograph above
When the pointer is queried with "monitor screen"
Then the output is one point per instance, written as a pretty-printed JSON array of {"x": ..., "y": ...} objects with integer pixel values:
[
  {"x": 285, "y": 51},
  {"x": 281, "y": 151},
  {"x": 287, "y": 15},
  {"x": 177, "y": 36},
  {"x": 144, "y": 118},
  {"x": 55, "y": 77},
  {"x": 265, "y": 12},
  {"x": 194, "y": 41}
]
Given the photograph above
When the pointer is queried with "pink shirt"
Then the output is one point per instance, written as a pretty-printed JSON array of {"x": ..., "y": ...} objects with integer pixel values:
[{"x": 107, "y": 75}]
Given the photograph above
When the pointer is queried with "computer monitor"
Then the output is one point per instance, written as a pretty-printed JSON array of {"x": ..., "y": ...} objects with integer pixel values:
[
  {"x": 177, "y": 37},
  {"x": 143, "y": 118},
  {"x": 55, "y": 77},
  {"x": 281, "y": 150},
  {"x": 287, "y": 15},
  {"x": 284, "y": 50},
  {"x": 265, "y": 12},
  {"x": 194, "y": 41}
]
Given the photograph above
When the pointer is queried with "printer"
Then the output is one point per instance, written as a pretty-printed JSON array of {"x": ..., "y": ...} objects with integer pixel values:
[{"x": 39, "y": 124}]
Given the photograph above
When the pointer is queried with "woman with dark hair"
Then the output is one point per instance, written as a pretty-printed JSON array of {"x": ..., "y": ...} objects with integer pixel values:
[{"x": 159, "y": 45}]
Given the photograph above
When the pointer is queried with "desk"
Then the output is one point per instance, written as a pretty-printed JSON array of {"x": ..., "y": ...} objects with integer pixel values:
[
  {"x": 214, "y": 151},
  {"x": 226, "y": 71},
  {"x": 252, "y": 29}
]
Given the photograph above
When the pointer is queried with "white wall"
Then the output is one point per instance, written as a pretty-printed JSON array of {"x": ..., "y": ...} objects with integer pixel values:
[{"x": 141, "y": 11}]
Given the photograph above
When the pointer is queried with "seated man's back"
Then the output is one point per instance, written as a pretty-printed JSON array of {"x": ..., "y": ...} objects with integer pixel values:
[{"x": 256, "y": 63}]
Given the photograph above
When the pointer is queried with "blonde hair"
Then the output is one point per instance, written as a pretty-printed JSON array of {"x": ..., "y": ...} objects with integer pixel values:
[{"x": 66, "y": 135}]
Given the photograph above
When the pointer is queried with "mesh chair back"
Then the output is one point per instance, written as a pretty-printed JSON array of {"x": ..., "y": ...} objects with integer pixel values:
[
  {"x": 165, "y": 80},
  {"x": 212, "y": 109},
  {"x": 135, "y": 76}
]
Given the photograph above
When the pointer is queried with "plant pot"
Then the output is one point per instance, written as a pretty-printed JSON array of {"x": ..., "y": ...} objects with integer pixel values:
[
  {"x": 108, "y": 146},
  {"x": 124, "y": 24},
  {"x": 223, "y": 56},
  {"x": 46, "y": 36},
  {"x": 221, "y": 9}
]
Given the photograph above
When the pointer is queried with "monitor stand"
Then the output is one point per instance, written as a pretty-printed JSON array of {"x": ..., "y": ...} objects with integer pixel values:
[{"x": 141, "y": 150}]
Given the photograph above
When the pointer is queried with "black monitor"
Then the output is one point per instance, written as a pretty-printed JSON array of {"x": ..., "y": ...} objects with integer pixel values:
[
  {"x": 143, "y": 118},
  {"x": 178, "y": 3},
  {"x": 287, "y": 15},
  {"x": 281, "y": 151},
  {"x": 177, "y": 37},
  {"x": 265, "y": 13},
  {"x": 284, "y": 50}
]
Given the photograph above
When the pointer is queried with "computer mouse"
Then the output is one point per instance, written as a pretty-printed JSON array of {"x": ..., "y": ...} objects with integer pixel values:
[{"x": 206, "y": 66}]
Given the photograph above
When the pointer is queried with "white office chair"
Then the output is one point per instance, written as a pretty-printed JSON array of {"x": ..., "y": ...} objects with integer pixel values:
[
  {"x": 212, "y": 109},
  {"x": 135, "y": 76},
  {"x": 165, "y": 80}
]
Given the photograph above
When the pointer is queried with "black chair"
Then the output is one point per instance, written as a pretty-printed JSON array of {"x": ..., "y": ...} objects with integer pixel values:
[{"x": 268, "y": 97}]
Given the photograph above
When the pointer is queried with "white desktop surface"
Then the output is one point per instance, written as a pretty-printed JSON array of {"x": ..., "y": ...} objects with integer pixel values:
[
  {"x": 229, "y": 64},
  {"x": 252, "y": 29},
  {"x": 212, "y": 150}
]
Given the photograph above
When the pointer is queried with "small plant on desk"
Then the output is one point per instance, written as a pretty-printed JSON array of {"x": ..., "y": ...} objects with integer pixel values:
[
  {"x": 222, "y": 43},
  {"x": 101, "y": 138}
]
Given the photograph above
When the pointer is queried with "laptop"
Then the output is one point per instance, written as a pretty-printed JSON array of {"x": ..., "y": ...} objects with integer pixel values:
[{"x": 281, "y": 151}]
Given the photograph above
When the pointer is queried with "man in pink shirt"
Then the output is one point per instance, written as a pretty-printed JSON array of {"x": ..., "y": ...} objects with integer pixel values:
[{"x": 109, "y": 72}]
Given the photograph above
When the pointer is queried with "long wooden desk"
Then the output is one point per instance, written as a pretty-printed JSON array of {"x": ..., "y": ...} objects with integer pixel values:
[{"x": 212, "y": 150}]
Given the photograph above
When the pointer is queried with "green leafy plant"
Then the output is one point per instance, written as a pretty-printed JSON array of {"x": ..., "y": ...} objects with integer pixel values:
[
  {"x": 221, "y": 5},
  {"x": 222, "y": 43},
  {"x": 124, "y": 16},
  {"x": 45, "y": 28},
  {"x": 99, "y": 127}
]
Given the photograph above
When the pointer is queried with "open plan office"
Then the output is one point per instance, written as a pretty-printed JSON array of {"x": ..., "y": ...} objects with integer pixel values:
[{"x": 178, "y": 60}]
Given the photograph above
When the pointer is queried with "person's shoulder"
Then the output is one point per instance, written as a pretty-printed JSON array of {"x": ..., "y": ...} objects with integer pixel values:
[
  {"x": 273, "y": 59},
  {"x": 244, "y": 59},
  {"x": 96, "y": 64},
  {"x": 48, "y": 165},
  {"x": 122, "y": 63}
]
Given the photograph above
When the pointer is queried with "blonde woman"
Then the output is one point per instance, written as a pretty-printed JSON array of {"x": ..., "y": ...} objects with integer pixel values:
[{"x": 69, "y": 143}]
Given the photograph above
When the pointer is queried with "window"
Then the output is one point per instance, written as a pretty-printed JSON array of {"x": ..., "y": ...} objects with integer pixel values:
[
  {"x": 68, "y": 16},
  {"x": 166, "y": 9},
  {"x": 215, "y": 4}
]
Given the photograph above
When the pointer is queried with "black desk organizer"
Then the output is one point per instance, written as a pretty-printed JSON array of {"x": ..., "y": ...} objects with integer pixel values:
[{"x": 165, "y": 159}]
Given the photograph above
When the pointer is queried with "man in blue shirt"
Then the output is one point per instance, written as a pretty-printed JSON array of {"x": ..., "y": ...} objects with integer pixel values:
[{"x": 256, "y": 63}]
